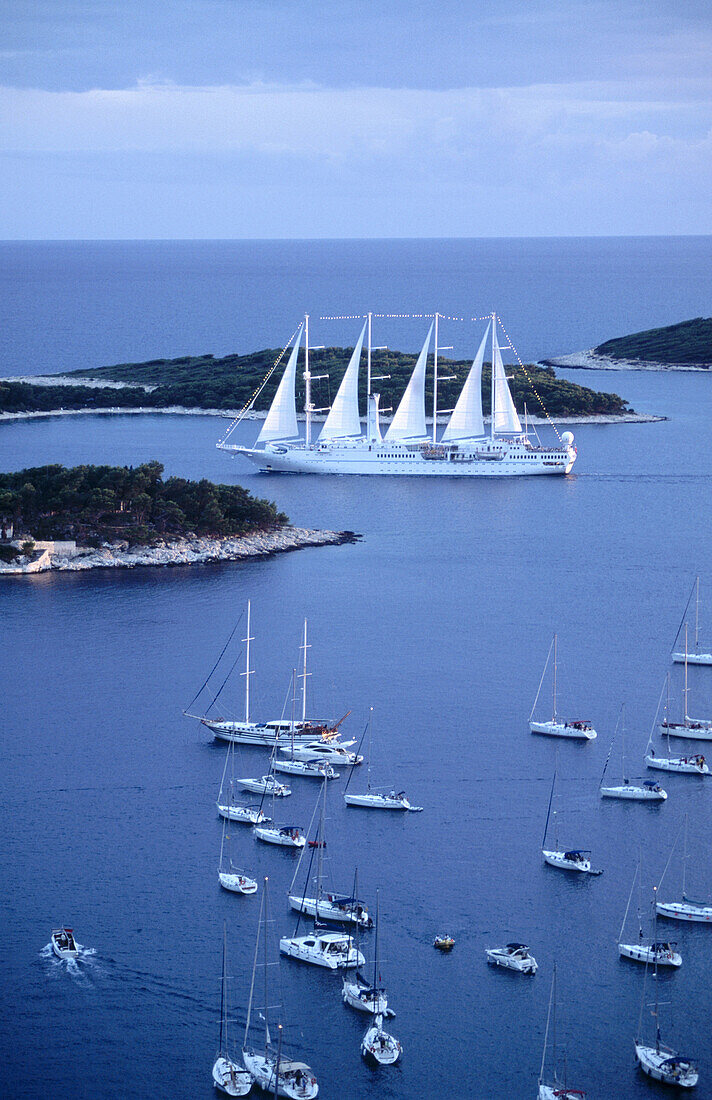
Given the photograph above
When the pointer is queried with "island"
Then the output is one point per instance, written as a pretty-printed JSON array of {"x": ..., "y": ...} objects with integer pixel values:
[
  {"x": 685, "y": 346},
  {"x": 206, "y": 384},
  {"x": 86, "y": 517}
]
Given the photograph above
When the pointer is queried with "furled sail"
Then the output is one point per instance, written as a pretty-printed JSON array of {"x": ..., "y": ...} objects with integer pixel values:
[
  {"x": 409, "y": 421},
  {"x": 281, "y": 421},
  {"x": 343, "y": 419},
  {"x": 466, "y": 421},
  {"x": 505, "y": 416}
]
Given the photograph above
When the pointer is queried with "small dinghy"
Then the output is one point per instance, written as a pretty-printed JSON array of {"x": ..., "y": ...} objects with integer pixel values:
[
  {"x": 63, "y": 943},
  {"x": 557, "y": 726},
  {"x": 287, "y": 836},
  {"x": 267, "y": 785},
  {"x": 334, "y": 950},
  {"x": 514, "y": 956},
  {"x": 444, "y": 943},
  {"x": 229, "y": 1077},
  {"x": 315, "y": 769},
  {"x": 378, "y": 1047}
]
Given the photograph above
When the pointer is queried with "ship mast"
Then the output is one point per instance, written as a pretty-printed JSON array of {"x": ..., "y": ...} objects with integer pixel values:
[
  {"x": 493, "y": 395},
  {"x": 368, "y": 363},
  {"x": 248, "y": 671},
  {"x": 304, "y": 675},
  {"x": 435, "y": 381},
  {"x": 307, "y": 381}
]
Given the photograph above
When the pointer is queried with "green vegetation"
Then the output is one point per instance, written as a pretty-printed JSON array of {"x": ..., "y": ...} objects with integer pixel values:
[
  {"x": 228, "y": 383},
  {"x": 96, "y": 503},
  {"x": 687, "y": 343}
]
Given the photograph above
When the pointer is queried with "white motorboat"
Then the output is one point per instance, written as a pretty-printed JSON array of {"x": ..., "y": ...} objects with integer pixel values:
[
  {"x": 272, "y": 1072},
  {"x": 513, "y": 956},
  {"x": 664, "y": 1064},
  {"x": 663, "y": 953},
  {"x": 266, "y": 785},
  {"x": 63, "y": 943},
  {"x": 229, "y": 1077},
  {"x": 287, "y": 836},
  {"x": 658, "y": 1061},
  {"x": 464, "y": 449},
  {"x": 316, "y": 769},
  {"x": 333, "y": 950},
  {"x": 695, "y": 656},
  {"x": 556, "y": 726},
  {"x": 380, "y": 1047},
  {"x": 554, "y": 1088},
  {"x": 331, "y": 752},
  {"x": 693, "y": 729}
]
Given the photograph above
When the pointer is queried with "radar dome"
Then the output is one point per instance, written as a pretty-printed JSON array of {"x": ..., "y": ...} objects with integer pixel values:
[{"x": 567, "y": 439}]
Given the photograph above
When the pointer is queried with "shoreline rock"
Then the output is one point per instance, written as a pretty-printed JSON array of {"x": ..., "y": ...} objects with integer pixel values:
[
  {"x": 589, "y": 360},
  {"x": 186, "y": 551}
]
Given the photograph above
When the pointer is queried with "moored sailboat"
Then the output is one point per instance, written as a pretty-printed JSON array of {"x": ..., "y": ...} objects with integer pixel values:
[
  {"x": 229, "y": 1077},
  {"x": 554, "y": 1088},
  {"x": 465, "y": 448},
  {"x": 646, "y": 790},
  {"x": 695, "y": 656},
  {"x": 662, "y": 952},
  {"x": 692, "y": 764},
  {"x": 568, "y": 859},
  {"x": 557, "y": 726},
  {"x": 689, "y": 909},
  {"x": 694, "y": 729},
  {"x": 374, "y": 799}
]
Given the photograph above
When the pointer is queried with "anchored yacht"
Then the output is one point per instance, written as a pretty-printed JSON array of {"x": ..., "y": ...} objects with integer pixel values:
[{"x": 465, "y": 449}]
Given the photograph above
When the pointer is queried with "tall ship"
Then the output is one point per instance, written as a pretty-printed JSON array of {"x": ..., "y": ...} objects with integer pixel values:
[{"x": 465, "y": 448}]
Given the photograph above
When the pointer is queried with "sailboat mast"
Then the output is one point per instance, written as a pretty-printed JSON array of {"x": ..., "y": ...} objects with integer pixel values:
[
  {"x": 223, "y": 1013},
  {"x": 368, "y": 770},
  {"x": 697, "y": 615},
  {"x": 686, "y": 708},
  {"x": 254, "y": 965},
  {"x": 684, "y": 863},
  {"x": 553, "y": 717},
  {"x": 623, "y": 738},
  {"x": 435, "y": 382},
  {"x": 294, "y": 692},
  {"x": 375, "y": 945},
  {"x": 655, "y": 968},
  {"x": 266, "y": 991},
  {"x": 248, "y": 671},
  {"x": 307, "y": 381},
  {"x": 368, "y": 365},
  {"x": 304, "y": 647},
  {"x": 546, "y": 1033},
  {"x": 667, "y": 713},
  {"x": 320, "y": 864},
  {"x": 494, "y": 394}
]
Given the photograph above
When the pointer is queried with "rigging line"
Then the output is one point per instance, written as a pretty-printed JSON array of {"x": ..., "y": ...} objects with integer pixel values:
[
  {"x": 232, "y": 666},
  {"x": 657, "y": 712},
  {"x": 548, "y": 812},
  {"x": 248, "y": 405},
  {"x": 358, "y": 750},
  {"x": 687, "y": 605},
  {"x": 301, "y": 855},
  {"x": 671, "y": 854},
  {"x": 528, "y": 378},
  {"x": 613, "y": 741},
  {"x": 546, "y": 665},
  {"x": 630, "y": 898},
  {"x": 212, "y": 670}
]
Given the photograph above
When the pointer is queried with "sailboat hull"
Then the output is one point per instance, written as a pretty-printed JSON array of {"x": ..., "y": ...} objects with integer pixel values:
[
  {"x": 237, "y": 884},
  {"x": 645, "y": 954},
  {"x": 681, "y": 910},
  {"x": 249, "y": 733},
  {"x": 377, "y": 802},
  {"x": 559, "y": 860},
  {"x": 655, "y": 1062},
  {"x": 635, "y": 794},
  {"x": 693, "y": 658},
  {"x": 677, "y": 764},
  {"x": 695, "y": 731},
  {"x": 263, "y": 1072},
  {"x": 577, "y": 731},
  {"x": 558, "y": 1092},
  {"x": 502, "y": 459},
  {"x": 231, "y": 1079},
  {"x": 273, "y": 835},
  {"x": 245, "y": 815},
  {"x": 338, "y": 914}
]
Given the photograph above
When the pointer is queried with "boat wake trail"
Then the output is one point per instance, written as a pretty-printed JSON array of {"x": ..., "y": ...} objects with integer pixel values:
[{"x": 80, "y": 969}]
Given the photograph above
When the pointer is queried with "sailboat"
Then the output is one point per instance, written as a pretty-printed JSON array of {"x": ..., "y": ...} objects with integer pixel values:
[
  {"x": 279, "y": 731},
  {"x": 695, "y": 729},
  {"x": 554, "y": 1089},
  {"x": 376, "y": 800},
  {"x": 696, "y": 657},
  {"x": 285, "y": 836},
  {"x": 647, "y": 790},
  {"x": 357, "y": 991},
  {"x": 464, "y": 450},
  {"x": 229, "y": 1077},
  {"x": 280, "y": 1076},
  {"x": 308, "y": 769},
  {"x": 661, "y": 1062},
  {"x": 323, "y": 905},
  {"x": 693, "y": 764},
  {"x": 227, "y": 804},
  {"x": 230, "y": 877},
  {"x": 688, "y": 909},
  {"x": 571, "y": 859},
  {"x": 558, "y": 726},
  {"x": 377, "y": 1044},
  {"x": 663, "y": 953}
]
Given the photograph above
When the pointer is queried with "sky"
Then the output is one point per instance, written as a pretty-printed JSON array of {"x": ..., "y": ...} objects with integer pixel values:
[{"x": 292, "y": 119}]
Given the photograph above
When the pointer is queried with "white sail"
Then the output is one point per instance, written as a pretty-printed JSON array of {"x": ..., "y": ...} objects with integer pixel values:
[
  {"x": 281, "y": 421},
  {"x": 409, "y": 421},
  {"x": 466, "y": 421},
  {"x": 506, "y": 418},
  {"x": 343, "y": 419}
]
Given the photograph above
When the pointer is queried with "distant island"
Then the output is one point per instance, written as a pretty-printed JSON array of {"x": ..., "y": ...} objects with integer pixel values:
[
  {"x": 226, "y": 384},
  {"x": 88, "y": 516},
  {"x": 683, "y": 346}
]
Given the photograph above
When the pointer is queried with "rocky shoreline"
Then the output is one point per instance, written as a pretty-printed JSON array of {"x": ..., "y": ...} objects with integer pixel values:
[
  {"x": 184, "y": 551},
  {"x": 589, "y": 360}
]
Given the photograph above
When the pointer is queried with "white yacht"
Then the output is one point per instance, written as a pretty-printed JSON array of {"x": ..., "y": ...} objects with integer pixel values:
[
  {"x": 570, "y": 859},
  {"x": 374, "y": 799},
  {"x": 333, "y": 950},
  {"x": 267, "y": 784},
  {"x": 378, "y": 1046},
  {"x": 465, "y": 449},
  {"x": 307, "y": 769},
  {"x": 556, "y": 726},
  {"x": 244, "y": 815},
  {"x": 285, "y": 836},
  {"x": 514, "y": 956},
  {"x": 330, "y": 752},
  {"x": 230, "y": 877},
  {"x": 229, "y": 1077},
  {"x": 645, "y": 790},
  {"x": 662, "y": 952}
]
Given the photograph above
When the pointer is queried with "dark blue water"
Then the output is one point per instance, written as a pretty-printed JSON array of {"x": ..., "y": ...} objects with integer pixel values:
[{"x": 440, "y": 619}]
